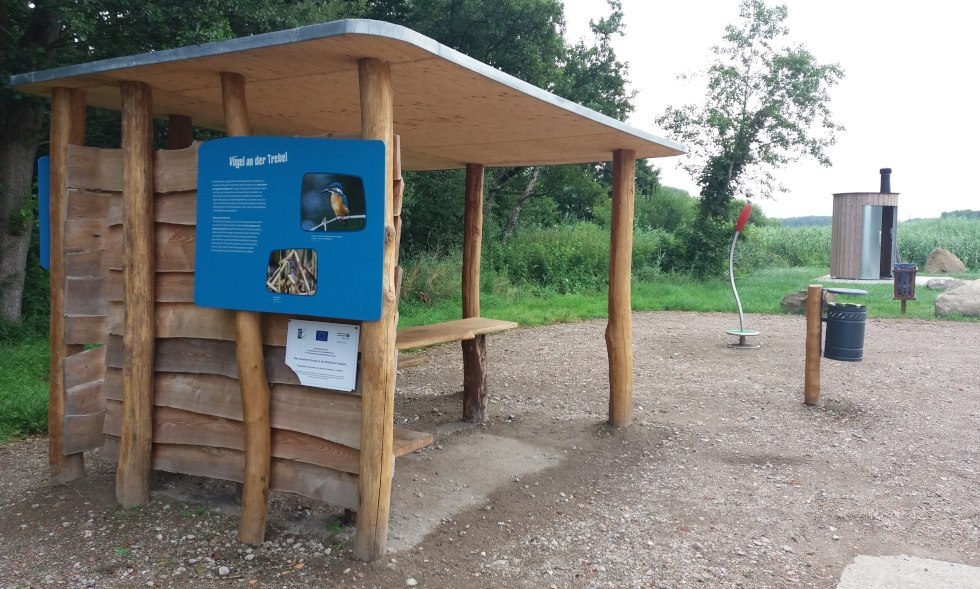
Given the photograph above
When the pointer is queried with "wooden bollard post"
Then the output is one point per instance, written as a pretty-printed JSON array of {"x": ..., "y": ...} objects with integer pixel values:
[
  {"x": 251, "y": 365},
  {"x": 811, "y": 370}
]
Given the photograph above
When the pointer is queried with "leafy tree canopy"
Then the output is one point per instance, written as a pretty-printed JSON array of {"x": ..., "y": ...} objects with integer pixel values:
[{"x": 766, "y": 105}]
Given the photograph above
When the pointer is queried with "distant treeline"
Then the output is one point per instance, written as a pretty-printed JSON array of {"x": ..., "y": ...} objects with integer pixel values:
[
  {"x": 811, "y": 221},
  {"x": 820, "y": 221},
  {"x": 965, "y": 213}
]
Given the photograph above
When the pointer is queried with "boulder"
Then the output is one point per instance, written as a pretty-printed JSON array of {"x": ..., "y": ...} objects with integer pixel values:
[
  {"x": 795, "y": 302},
  {"x": 944, "y": 283},
  {"x": 962, "y": 300},
  {"x": 942, "y": 261}
]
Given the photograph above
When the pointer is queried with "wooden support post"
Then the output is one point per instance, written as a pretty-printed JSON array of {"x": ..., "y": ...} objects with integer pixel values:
[
  {"x": 377, "y": 458},
  {"x": 67, "y": 128},
  {"x": 811, "y": 369},
  {"x": 474, "y": 350},
  {"x": 619, "y": 331},
  {"x": 180, "y": 132},
  {"x": 252, "y": 381},
  {"x": 136, "y": 441}
]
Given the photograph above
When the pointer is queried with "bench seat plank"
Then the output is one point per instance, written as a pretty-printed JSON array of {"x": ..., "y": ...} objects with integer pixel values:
[
  {"x": 450, "y": 331},
  {"x": 407, "y": 441}
]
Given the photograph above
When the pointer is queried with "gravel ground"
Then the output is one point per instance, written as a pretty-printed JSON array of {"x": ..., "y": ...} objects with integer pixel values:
[{"x": 725, "y": 478}]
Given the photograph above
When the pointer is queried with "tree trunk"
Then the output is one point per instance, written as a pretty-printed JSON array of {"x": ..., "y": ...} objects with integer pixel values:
[
  {"x": 515, "y": 212},
  {"x": 21, "y": 126}
]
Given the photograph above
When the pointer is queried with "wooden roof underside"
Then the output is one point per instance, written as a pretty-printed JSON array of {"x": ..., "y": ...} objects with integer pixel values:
[{"x": 449, "y": 109}]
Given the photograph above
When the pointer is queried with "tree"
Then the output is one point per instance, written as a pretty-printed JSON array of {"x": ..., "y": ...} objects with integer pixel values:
[
  {"x": 766, "y": 106},
  {"x": 48, "y": 33},
  {"x": 523, "y": 38}
]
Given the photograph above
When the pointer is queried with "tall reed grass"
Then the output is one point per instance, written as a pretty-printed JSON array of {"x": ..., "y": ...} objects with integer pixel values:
[
  {"x": 790, "y": 247},
  {"x": 961, "y": 236}
]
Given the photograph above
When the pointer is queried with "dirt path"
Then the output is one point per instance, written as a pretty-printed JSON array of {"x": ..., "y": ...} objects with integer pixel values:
[{"x": 725, "y": 478}]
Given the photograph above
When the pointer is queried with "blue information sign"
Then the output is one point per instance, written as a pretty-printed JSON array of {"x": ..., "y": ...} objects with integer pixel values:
[{"x": 291, "y": 225}]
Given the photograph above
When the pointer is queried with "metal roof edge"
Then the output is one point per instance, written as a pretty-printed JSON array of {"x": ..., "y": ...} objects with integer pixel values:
[{"x": 330, "y": 29}]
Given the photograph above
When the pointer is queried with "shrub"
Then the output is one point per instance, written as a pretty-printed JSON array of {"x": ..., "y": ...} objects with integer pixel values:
[
  {"x": 566, "y": 258},
  {"x": 784, "y": 247},
  {"x": 432, "y": 276}
]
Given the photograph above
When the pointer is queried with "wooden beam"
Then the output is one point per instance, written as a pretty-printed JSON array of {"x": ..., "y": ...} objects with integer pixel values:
[
  {"x": 378, "y": 337},
  {"x": 811, "y": 369},
  {"x": 180, "y": 132},
  {"x": 251, "y": 364},
  {"x": 67, "y": 128},
  {"x": 619, "y": 331},
  {"x": 133, "y": 472},
  {"x": 475, "y": 350},
  {"x": 472, "y": 240}
]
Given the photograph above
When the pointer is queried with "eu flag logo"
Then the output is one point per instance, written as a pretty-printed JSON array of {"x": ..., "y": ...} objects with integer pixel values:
[{"x": 321, "y": 336}]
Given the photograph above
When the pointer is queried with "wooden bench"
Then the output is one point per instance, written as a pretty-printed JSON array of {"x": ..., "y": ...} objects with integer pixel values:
[
  {"x": 449, "y": 331},
  {"x": 471, "y": 332}
]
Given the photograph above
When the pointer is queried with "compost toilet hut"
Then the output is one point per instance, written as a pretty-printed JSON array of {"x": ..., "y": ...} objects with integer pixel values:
[
  {"x": 179, "y": 387},
  {"x": 864, "y": 233}
]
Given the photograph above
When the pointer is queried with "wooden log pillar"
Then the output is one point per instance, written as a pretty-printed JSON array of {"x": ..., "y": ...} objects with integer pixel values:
[
  {"x": 136, "y": 441},
  {"x": 811, "y": 369},
  {"x": 474, "y": 350},
  {"x": 252, "y": 380},
  {"x": 378, "y": 338},
  {"x": 619, "y": 330},
  {"x": 67, "y": 128},
  {"x": 180, "y": 132}
]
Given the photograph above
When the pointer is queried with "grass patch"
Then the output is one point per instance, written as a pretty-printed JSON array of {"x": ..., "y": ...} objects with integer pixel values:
[
  {"x": 23, "y": 388},
  {"x": 760, "y": 292}
]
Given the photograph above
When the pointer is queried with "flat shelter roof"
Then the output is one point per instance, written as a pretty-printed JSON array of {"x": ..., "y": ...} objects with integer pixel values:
[{"x": 449, "y": 109}]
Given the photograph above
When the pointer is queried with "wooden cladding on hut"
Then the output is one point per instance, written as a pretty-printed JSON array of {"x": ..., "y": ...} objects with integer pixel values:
[{"x": 197, "y": 414}]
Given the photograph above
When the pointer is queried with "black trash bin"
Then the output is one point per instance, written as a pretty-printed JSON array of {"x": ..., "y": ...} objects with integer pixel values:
[
  {"x": 845, "y": 331},
  {"x": 904, "y": 275}
]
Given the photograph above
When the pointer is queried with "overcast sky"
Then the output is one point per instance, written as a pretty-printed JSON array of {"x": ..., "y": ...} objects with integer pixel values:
[{"x": 908, "y": 99}]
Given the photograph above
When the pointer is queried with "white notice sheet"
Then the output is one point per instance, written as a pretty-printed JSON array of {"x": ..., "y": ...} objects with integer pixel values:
[{"x": 323, "y": 354}]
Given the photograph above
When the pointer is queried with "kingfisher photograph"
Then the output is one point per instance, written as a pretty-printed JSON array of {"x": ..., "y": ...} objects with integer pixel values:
[{"x": 332, "y": 202}]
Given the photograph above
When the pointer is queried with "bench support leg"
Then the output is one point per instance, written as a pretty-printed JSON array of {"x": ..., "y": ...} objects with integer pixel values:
[{"x": 475, "y": 379}]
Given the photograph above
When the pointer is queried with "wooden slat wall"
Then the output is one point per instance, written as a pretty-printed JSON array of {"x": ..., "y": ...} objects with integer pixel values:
[
  {"x": 85, "y": 306},
  {"x": 845, "y": 233},
  {"x": 324, "y": 484},
  {"x": 197, "y": 426}
]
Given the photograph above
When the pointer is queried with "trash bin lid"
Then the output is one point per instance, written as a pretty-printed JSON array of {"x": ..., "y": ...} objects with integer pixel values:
[{"x": 847, "y": 291}]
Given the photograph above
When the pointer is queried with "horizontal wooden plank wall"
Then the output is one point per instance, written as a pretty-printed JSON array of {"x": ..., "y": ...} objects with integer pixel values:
[
  {"x": 86, "y": 230},
  {"x": 198, "y": 415},
  {"x": 327, "y": 485}
]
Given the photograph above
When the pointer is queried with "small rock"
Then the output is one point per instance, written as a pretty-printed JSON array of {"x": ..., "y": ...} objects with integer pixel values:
[
  {"x": 945, "y": 283},
  {"x": 223, "y": 571},
  {"x": 411, "y": 582}
]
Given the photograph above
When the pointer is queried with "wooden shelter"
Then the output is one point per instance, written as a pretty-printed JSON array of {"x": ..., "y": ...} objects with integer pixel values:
[
  {"x": 863, "y": 237},
  {"x": 188, "y": 389}
]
